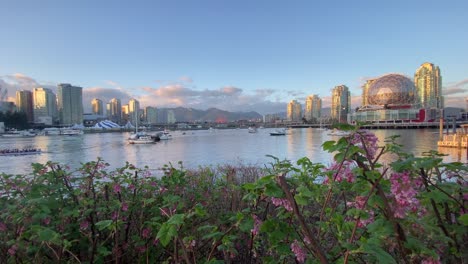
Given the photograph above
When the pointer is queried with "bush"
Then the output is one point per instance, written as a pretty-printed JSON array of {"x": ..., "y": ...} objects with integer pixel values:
[{"x": 355, "y": 210}]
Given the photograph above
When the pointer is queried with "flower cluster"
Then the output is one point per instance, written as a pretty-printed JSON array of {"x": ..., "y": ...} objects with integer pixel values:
[
  {"x": 257, "y": 223},
  {"x": 360, "y": 203},
  {"x": 341, "y": 172},
  {"x": 281, "y": 202},
  {"x": 367, "y": 141},
  {"x": 404, "y": 191},
  {"x": 298, "y": 251}
]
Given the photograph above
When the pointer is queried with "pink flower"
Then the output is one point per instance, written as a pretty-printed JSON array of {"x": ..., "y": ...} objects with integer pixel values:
[
  {"x": 146, "y": 233},
  {"x": 124, "y": 206},
  {"x": 115, "y": 215},
  {"x": 12, "y": 250},
  {"x": 341, "y": 172},
  {"x": 404, "y": 193},
  {"x": 298, "y": 251},
  {"x": 281, "y": 202},
  {"x": 141, "y": 249},
  {"x": 84, "y": 224},
  {"x": 3, "y": 227},
  {"x": 430, "y": 261},
  {"x": 367, "y": 141},
  {"x": 257, "y": 224},
  {"x": 117, "y": 188},
  {"x": 46, "y": 221}
]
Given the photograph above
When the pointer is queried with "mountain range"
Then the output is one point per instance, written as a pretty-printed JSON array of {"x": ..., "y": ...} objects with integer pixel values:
[{"x": 211, "y": 115}]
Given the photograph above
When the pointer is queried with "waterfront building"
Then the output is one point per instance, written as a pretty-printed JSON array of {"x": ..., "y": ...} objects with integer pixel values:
[
  {"x": 161, "y": 115},
  {"x": 24, "y": 103},
  {"x": 313, "y": 108},
  {"x": 428, "y": 82},
  {"x": 115, "y": 111},
  {"x": 365, "y": 91},
  {"x": 44, "y": 106},
  {"x": 133, "y": 111},
  {"x": 70, "y": 104},
  {"x": 125, "y": 114},
  {"x": 171, "y": 119},
  {"x": 97, "y": 107},
  {"x": 294, "y": 111},
  {"x": 341, "y": 103},
  {"x": 151, "y": 115},
  {"x": 392, "y": 98}
]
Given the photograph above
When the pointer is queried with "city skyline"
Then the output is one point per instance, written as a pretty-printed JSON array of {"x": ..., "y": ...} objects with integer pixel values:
[{"x": 238, "y": 56}]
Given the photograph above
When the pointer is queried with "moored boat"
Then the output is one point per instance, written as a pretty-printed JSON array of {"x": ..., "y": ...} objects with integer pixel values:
[
  {"x": 252, "y": 130},
  {"x": 278, "y": 132}
]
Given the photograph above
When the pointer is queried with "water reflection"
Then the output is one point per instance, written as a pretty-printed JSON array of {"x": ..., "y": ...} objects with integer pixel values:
[{"x": 200, "y": 148}]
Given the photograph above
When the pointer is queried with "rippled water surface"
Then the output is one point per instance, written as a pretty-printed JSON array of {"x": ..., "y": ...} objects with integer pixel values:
[{"x": 199, "y": 148}]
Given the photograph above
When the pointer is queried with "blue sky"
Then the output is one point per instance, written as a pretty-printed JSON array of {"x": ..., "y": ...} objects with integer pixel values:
[{"x": 234, "y": 55}]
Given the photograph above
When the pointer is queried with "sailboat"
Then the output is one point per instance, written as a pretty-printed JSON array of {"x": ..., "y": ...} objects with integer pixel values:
[{"x": 141, "y": 137}]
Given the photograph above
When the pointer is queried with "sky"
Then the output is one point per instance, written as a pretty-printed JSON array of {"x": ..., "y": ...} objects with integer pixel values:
[{"x": 236, "y": 55}]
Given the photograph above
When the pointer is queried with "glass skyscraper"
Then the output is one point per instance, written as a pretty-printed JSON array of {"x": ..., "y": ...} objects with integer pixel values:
[
  {"x": 341, "y": 103},
  {"x": 294, "y": 111},
  {"x": 44, "y": 106},
  {"x": 428, "y": 82},
  {"x": 313, "y": 107},
  {"x": 70, "y": 104},
  {"x": 24, "y": 103},
  {"x": 97, "y": 107}
]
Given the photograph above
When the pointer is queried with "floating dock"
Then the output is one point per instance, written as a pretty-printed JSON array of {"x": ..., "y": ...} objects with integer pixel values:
[{"x": 455, "y": 140}]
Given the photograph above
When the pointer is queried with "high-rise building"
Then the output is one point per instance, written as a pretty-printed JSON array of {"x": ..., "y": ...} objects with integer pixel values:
[
  {"x": 428, "y": 82},
  {"x": 70, "y": 104},
  {"x": 294, "y": 111},
  {"x": 97, "y": 107},
  {"x": 133, "y": 111},
  {"x": 44, "y": 106},
  {"x": 24, "y": 103},
  {"x": 151, "y": 115},
  {"x": 313, "y": 108},
  {"x": 171, "y": 119},
  {"x": 365, "y": 91},
  {"x": 341, "y": 103},
  {"x": 125, "y": 114},
  {"x": 115, "y": 110}
]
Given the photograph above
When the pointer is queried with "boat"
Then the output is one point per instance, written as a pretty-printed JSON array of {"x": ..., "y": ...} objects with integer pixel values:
[
  {"x": 164, "y": 135},
  {"x": 51, "y": 131},
  {"x": 18, "y": 134},
  {"x": 141, "y": 137},
  {"x": 71, "y": 132},
  {"x": 278, "y": 132},
  {"x": 340, "y": 133},
  {"x": 252, "y": 130},
  {"x": 20, "y": 152}
]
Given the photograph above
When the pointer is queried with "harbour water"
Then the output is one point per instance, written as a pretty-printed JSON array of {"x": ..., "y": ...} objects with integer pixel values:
[{"x": 194, "y": 148}]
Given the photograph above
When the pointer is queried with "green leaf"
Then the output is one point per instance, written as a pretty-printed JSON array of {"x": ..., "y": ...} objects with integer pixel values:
[
  {"x": 101, "y": 225},
  {"x": 273, "y": 190},
  {"x": 166, "y": 233},
  {"x": 48, "y": 235},
  {"x": 176, "y": 219},
  {"x": 382, "y": 256},
  {"x": 464, "y": 219}
]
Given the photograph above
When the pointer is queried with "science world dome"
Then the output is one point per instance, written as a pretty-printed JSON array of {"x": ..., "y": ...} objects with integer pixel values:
[{"x": 392, "y": 89}]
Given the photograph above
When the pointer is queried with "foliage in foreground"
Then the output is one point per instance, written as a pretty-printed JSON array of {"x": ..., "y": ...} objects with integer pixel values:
[{"x": 355, "y": 210}]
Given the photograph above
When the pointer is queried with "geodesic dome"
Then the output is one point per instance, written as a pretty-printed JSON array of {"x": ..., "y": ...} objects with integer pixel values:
[{"x": 392, "y": 89}]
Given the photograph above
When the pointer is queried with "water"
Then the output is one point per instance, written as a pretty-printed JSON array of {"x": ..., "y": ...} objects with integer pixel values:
[{"x": 232, "y": 146}]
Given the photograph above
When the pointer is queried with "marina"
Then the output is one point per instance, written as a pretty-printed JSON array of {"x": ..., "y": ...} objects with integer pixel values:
[{"x": 202, "y": 147}]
